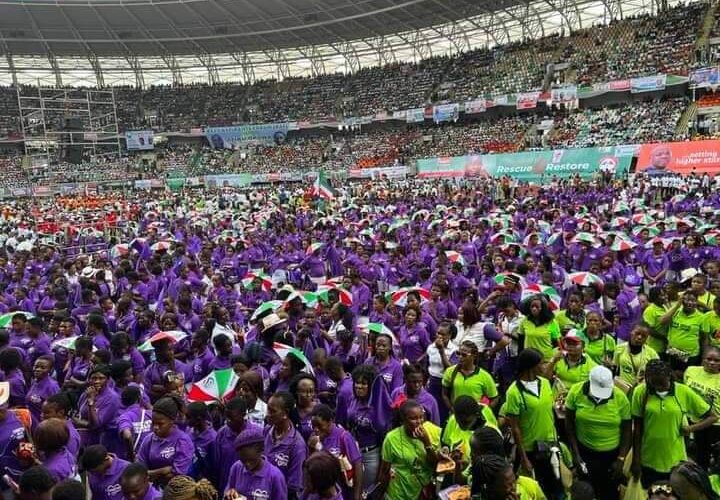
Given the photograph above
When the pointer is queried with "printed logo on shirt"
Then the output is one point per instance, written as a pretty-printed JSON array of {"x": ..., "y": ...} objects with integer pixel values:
[
  {"x": 142, "y": 427},
  {"x": 259, "y": 494},
  {"x": 113, "y": 489},
  {"x": 18, "y": 433},
  {"x": 168, "y": 452},
  {"x": 35, "y": 398},
  {"x": 282, "y": 459},
  {"x": 388, "y": 377}
]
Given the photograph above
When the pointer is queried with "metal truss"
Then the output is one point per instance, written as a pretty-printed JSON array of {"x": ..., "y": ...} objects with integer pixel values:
[{"x": 506, "y": 23}]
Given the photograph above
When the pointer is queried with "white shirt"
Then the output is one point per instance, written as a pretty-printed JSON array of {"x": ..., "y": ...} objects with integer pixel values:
[
  {"x": 257, "y": 414},
  {"x": 435, "y": 364}
]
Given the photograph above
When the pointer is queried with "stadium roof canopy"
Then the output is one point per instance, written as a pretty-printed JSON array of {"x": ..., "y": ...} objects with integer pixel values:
[{"x": 141, "y": 42}]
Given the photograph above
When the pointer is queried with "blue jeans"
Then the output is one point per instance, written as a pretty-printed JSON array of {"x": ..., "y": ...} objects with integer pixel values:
[{"x": 371, "y": 465}]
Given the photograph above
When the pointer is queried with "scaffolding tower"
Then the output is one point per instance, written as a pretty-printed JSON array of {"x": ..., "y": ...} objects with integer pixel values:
[{"x": 66, "y": 124}]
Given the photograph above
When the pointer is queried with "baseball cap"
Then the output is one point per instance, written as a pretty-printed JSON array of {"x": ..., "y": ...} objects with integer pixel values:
[{"x": 601, "y": 382}]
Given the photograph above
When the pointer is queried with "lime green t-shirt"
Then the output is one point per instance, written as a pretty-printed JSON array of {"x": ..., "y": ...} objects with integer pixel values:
[
  {"x": 453, "y": 436},
  {"x": 705, "y": 384},
  {"x": 651, "y": 316},
  {"x": 598, "y": 426},
  {"x": 601, "y": 348},
  {"x": 566, "y": 376},
  {"x": 476, "y": 385},
  {"x": 711, "y": 328},
  {"x": 408, "y": 460},
  {"x": 715, "y": 483},
  {"x": 684, "y": 331},
  {"x": 540, "y": 337},
  {"x": 663, "y": 445},
  {"x": 631, "y": 367},
  {"x": 529, "y": 489},
  {"x": 565, "y": 323},
  {"x": 535, "y": 413}
]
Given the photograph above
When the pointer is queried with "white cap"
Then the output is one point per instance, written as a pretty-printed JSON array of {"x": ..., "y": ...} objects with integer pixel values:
[{"x": 601, "y": 382}]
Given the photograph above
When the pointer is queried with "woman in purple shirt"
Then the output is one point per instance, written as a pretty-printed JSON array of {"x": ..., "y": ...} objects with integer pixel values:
[
  {"x": 414, "y": 338},
  {"x": 303, "y": 387},
  {"x": 10, "y": 361},
  {"x": 98, "y": 407},
  {"x": 134, "y": 422},
  {"x": 387, "y": 366},
  {"x": 42, "y": 387},
  {"x": 340, "y": 443},
  {"x": 253, "y": 475},
  {"x": 284, "y": 446},
  {"x": 51, "y": 438},
  {"x": 168, "y": 451},
  {"x": 103, "y": 472},
  {"x": 414, "y": 389}
]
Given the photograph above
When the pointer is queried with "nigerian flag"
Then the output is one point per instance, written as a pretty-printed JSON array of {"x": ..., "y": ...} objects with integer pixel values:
[{"x": 322, "y": 187}]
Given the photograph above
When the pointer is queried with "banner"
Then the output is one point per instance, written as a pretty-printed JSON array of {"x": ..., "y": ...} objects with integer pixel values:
[
  {"x": 527, "y": 100},
  {"x": 648, "y": 83},
  {"x": 230, "y": 180},
  {"x": 416, "y": 115},
  {"x": 378, "y": 173},
  {"x": 230, "y": 137},
  {"x": 564, "y": 95},
  {"x": 499, "y": 100},
  {"x": 139, "y": 140},
  {"x": 614, "y": 86},
  {"x": 476, "y": 106},
  {"x": 531, "y": 166},
  {"x": 705, "y": 77},
  {"x": 176, "y": 184},
  {"x": 680, "y": 157},
  {"x": 446, "y": 112}
]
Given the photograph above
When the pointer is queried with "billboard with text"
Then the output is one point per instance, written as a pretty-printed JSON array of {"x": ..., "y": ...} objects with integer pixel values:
[{"x": 680, "y": 157}]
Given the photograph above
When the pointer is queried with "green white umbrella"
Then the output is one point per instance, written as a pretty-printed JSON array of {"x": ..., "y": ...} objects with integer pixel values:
[
  {"x": 270, "y": 305},
  {"x": 218, "y": 386},
  {"x": 6, "y": 318},
  {"x": 314, "y": 247},
  {"x": 284, "y": 350}
]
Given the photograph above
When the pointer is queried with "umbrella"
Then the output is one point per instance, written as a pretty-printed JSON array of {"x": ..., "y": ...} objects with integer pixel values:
[
  {"x": 711, "y": 238},
  {"x": 585, "y": 238},
  {"x": 621, "y": 244},
  {"x": 585, "y": 279},
  {"x": 500, "y": 278},
  {"x": 552, "y": 295},
  {"x": 653, "y": 230},
  {"x": 313, "y": 248},
  {"x": 420, "y": 213},
  {"x": 323, "y": 293},
  {"x": 502, "y": 238},
  {"x": 283, "y": 350},
  {"x": 399, "y": 297},
  {"x": 380, "y": 329},
  {"x": 6, "y": 318},
  {"x": 619, "y": 221},
  {"x": 642, "y": 218},
  {"x": 454, "y": 257},
  {"x": 218, "y": 386},
  {"x": 173, "y": 336},
  {"x": 553, "y": 238},
  {"x": 270, "y": 305},
  {"x": 665, "y": 242},
  {"x": 160, "y": 246},
  {"x": 266, "y": 281},
  {"x": 66, "y": 343},
  {"x": 118, "y": 251}
]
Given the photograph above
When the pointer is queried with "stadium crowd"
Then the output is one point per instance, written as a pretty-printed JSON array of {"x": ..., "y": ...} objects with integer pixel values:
[{"x": 390, "y": 339}]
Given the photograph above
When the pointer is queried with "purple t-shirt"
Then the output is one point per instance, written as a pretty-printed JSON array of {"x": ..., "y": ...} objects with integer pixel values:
[
  {"x": 287, "y": 454},
  {"x": 60, "y": 465},
  {"x": 106, "y": 486},
  {"x": 175, "y": 450},
  {"x": 12, "y": 433},
  {"x": 138, "y": 421},
  {"x": 265, "y": 483},
  {"x": 39, "y": 391}
]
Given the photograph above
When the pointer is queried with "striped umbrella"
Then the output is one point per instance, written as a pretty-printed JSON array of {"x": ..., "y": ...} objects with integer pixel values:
[
  {"x": 621, "y": 244},
  {"x": 218, "y": 386},
  {"x": 642, "y": 218},
  {"x": 323, "y": 293},
  {"x": 283, "y": 351},
  {"x": 265, "y": 280},
  {"x": 585, "y": 279},
  {"x": 6, "y": 318},
  {"x": 399, "y": 297},
  {"x": 270, "y": 305},
  {"x": 314, "y": 247},
  {"x": 172, "y": 335},
  {"x": 549, "y": 292},
  {"x": 119, "y": 251},
  {"x": 454, "y": 257}
]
